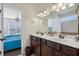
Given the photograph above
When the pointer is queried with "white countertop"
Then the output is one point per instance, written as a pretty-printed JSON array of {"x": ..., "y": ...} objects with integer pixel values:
[{"x": 66, "y": 41}]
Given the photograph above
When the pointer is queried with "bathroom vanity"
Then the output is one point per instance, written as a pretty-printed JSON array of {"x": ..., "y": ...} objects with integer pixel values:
[{"x": 44, "y": 45}]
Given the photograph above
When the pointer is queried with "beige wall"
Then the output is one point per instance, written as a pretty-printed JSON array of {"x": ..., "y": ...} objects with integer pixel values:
[{"x": 29, "y": 27}]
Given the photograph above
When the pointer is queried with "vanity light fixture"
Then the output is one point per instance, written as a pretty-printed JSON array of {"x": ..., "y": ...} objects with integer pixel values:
[
  {"x": 64, "y": 7},
  {"x": 71, "y": 4},
  {"x": 54, "y": 7},
  {"x": 43, "y": 13}
]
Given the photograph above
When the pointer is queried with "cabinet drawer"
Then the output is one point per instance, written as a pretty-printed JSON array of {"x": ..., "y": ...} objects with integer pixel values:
[
  {"x": 68, "y": 50},
  {"x": 45, "y": 51},
  {"x": 58, "y": 53},
  {"x": 53, "y": 45}
]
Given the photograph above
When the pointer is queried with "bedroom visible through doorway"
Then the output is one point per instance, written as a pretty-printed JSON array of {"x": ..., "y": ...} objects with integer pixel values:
[{"x": 11, "y": 29}]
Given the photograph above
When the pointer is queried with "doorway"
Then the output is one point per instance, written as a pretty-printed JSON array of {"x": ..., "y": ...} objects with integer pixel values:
[{"x": 11, "y": 30}]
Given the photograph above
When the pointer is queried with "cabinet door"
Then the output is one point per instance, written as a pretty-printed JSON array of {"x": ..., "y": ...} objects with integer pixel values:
[
  {"x": 58, "y": 53},
  {"x": 53, "y": 45},
  {"x": 35, "y": 47},
  {"x": 37, "y": 52},
  {"x": 45, "y": 51},
  {"x": 69, "y": 50},
  {"x": 52, "y": 52}
]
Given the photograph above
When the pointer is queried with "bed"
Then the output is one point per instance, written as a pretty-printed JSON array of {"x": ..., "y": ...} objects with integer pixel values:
[{"x": 12, "y": 42}]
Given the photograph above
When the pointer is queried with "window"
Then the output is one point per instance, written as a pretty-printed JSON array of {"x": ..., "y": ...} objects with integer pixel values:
[
  {"x": 12, "y": 21},
  {"x": 69, "y": 18},
  {"x": 13, "y": 26},
  {"x": 49, "y": 25}
]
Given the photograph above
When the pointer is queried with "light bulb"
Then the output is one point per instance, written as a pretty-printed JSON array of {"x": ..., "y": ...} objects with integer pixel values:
[
  {"x": 41, "y": 13},
  {"x": 54, "y": 7},
  {"x": 64, "y": 7},
  {"x": 45, "y": 11},
  {"x": 71, "y": 4}
]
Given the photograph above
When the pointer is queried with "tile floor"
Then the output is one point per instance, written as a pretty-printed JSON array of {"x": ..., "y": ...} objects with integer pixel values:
[{"x": 13, "y": 53}]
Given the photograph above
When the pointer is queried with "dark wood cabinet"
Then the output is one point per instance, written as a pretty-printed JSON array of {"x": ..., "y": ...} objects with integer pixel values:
[
  {"x": 69, "y": 50},
  {"x": 35, "y": 45},
  {"x": 43, "y": 47},
  {"x": 53, "y": 45},
  {"x": 57, "y": 53},
  {"x": 45, "y": 51},
  {"x": 52, "y": 52},
  {"x": 37, "y": 52}
]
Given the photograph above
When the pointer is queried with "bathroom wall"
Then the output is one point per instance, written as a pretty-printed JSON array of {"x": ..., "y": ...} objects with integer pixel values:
[{"x": 29, "y": 27}]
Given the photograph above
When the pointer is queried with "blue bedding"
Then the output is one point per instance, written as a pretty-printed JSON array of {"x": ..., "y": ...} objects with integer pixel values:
[{"x": 12, "y": 42}]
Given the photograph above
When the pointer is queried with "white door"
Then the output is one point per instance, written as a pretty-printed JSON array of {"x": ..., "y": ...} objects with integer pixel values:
[{"x": 1, "y": 30}]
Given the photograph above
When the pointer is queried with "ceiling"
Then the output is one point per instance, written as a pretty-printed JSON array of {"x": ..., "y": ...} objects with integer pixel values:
[{"x": 31, "y": 9}]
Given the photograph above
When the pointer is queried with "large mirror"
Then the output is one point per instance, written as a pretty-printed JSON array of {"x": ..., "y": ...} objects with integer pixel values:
[
  {"x": 64, "y": 21},
  {"x": 69, "y": 21},
  {"x": 69, "y": 25}
]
